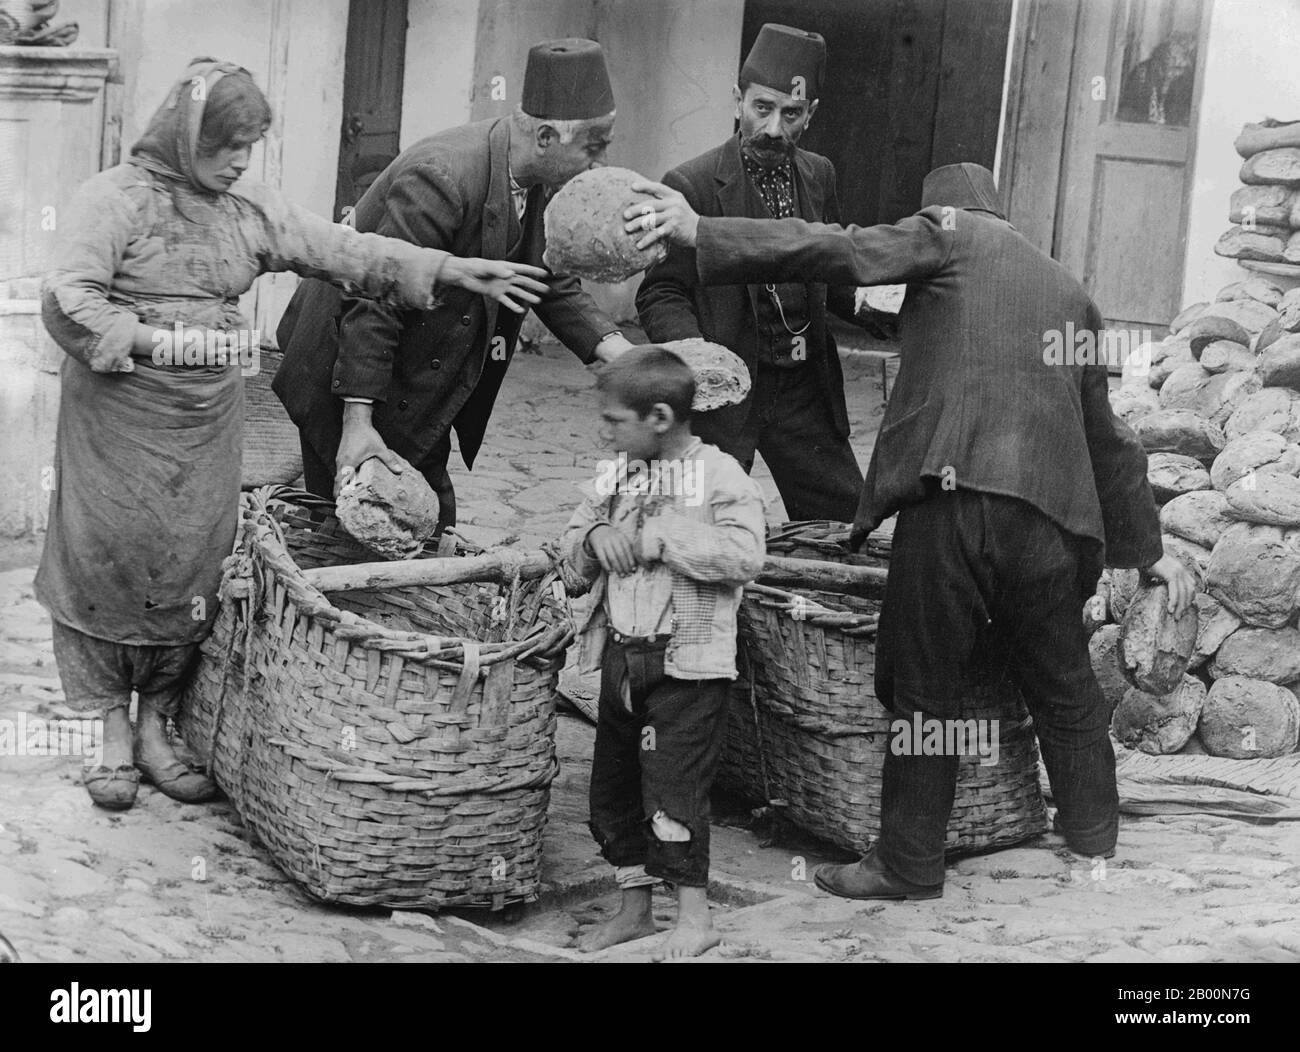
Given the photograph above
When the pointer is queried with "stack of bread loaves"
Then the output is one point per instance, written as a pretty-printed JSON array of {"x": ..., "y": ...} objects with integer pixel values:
[
  {"x": 1266, "y": 210},
  {"x": 1217, "y": 406}
]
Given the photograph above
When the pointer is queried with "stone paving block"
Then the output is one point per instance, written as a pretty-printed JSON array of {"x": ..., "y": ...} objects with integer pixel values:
[
  {"x": 1026, "y": 861},
  {"x": 1239, "y": 865},
  {"x": 1122, "y": 955}
]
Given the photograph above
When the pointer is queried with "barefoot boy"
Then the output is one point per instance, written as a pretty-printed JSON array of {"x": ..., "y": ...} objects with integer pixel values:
[{"x": 672, "y": 532}]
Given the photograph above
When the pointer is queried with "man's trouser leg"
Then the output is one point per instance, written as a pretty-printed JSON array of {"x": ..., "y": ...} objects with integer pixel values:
[
  {"x": 434, "y": 469},
  {"x": 813, "y": 465},
  {"x": 961, "y": 559},
  {"x": 928, "y": 625},
  {"x": 1037, "y": 610},
  {"x": 317, "y": 476}
]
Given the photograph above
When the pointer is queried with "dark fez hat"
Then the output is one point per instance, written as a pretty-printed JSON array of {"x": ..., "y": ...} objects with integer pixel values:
[
  {"x": 566, "y": 80},
  {"x": 782, "y": 53},
  {"x": 964, "y": 185}
]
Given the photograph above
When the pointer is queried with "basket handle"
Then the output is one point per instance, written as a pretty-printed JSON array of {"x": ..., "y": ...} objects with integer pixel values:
[{"x": 499, "y": 566}]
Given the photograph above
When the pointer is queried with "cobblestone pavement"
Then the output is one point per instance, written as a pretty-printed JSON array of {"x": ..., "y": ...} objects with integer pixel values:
[{"x": 77, "y": 883}]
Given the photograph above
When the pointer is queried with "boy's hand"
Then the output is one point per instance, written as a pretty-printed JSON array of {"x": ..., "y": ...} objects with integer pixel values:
[{"x": 612, "y": 550}]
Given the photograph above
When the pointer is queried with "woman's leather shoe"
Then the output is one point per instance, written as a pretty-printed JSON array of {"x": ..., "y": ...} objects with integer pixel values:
[
  {"x": 172, "y": 778},
  {"x": 869, "y": 879},
  {"x": 112, "y": 788}
]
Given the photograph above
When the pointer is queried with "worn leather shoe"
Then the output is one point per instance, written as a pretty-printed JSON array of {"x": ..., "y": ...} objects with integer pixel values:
[
  {"x": 172, "y": 778},
  {"x": 869, "y": 879}
]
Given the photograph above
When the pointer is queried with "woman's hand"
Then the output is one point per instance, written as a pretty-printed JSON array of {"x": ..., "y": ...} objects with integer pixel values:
[
  {"x": 516, "y": 286},
  {"x": 668, "y": 216}
]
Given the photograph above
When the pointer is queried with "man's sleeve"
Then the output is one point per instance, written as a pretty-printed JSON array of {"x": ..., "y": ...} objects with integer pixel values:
[
  {"x": 1119, "y": 471},
  {"x": 424, "y": 206},
  {"x": 732, "y": 251},
  {"x": 573, "y": 317},
  {"x": 841, "y": 300},
  {"x": 665, "y": 302}
]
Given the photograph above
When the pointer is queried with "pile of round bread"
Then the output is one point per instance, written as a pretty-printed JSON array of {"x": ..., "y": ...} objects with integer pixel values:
[
  {"x": 1217, "y": 406},
  {"x": 1266, "y": 209}
]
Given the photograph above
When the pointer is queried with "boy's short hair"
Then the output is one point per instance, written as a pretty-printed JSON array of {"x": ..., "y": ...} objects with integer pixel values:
[{"x": 644, "y": 376}]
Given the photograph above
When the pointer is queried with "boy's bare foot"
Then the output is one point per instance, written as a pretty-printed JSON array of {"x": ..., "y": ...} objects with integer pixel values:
[
  {"x": 688, "y": 940},
  {"x": 694, "y": 932},
  {"x": 634, "y": 920}
]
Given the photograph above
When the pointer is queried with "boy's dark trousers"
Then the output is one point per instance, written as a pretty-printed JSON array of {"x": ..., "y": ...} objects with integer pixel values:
[
  {"x": 980, "y": 576},
  {"x": 661, "y": 755}
]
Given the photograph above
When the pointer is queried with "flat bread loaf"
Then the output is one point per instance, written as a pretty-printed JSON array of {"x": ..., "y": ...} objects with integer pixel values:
[{"x": 721, "y": 377}]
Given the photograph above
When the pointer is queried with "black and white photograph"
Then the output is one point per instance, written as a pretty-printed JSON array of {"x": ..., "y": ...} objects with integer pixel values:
[{"x": 651, "y": 481}]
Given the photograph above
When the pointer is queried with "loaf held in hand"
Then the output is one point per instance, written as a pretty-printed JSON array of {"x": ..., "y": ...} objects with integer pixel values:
[
  {"x": 391, "y": 514},
  {"x": 1155, "y": 646},
  {"x": 584, "y": 228}
]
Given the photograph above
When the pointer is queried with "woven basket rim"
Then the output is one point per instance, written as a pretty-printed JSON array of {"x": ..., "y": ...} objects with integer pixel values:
[{"x": 262, "y": 530}]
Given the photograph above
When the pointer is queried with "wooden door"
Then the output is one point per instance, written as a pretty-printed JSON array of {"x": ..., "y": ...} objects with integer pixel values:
[
  {"x": 1125, "y": 181},
  {"x": 372, "y": 95}
]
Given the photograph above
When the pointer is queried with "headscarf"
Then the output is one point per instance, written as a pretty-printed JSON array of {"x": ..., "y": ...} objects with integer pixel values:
[
  {"x": 168, "y": 145},
  {"x": 968, "y": 186}
]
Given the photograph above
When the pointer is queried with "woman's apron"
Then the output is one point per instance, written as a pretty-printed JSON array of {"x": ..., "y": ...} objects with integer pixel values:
[{"x": 145, "y": 502}]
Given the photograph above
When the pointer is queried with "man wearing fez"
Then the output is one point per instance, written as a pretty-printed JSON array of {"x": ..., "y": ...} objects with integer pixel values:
[
  {"x": 365, "y": 379},
  {"x": 1013, "y": 481},
  {"x": 795, "y": 413}
]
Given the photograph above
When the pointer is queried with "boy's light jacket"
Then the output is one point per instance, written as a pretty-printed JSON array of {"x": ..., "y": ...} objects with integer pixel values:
[{"x": 711, "y": 539}]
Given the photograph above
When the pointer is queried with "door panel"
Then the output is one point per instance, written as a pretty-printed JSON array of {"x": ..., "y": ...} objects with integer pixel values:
[
  {"x": 1122, "y": 214},
  {"x": 372, "y": 94}
]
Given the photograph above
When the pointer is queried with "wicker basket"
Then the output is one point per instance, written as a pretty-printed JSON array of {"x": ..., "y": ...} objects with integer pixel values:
[
  {"x": 272, "y": 451},
  {"x": 828, "y": 541},
  {"x": 390, "y": 748},
  {"x": 807, "y": 733}
]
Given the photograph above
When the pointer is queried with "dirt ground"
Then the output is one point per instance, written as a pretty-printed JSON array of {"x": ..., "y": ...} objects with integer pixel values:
[{"x": 169, "y": 882}]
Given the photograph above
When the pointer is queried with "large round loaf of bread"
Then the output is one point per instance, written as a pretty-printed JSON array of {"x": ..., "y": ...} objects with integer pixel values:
[
  {"x": 1255, "y": 572},
  {"x": 721, "y": 377},
  {"x": 1200, "y": 516},
  {"x": 1155, "y": 646},
  {"x": 584, "y": 228},
  {"x": 1159, "y": 724},
  {"x": 1259, "y": 653},
  {"x": 1248, "y": 718}
]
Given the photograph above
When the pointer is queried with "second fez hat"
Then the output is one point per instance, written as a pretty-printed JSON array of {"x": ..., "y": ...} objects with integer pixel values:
[
  {"x": 780, "y": 55},
  {"x": 964, "y": 185},
  {"x": 567, "y": 80}
]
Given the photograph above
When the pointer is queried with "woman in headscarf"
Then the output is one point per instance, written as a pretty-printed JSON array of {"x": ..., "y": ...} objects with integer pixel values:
[{"x": 146, "y": 494}]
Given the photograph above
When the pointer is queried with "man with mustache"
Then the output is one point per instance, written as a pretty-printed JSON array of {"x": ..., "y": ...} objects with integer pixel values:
[{"x": 795, "y": 414}]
